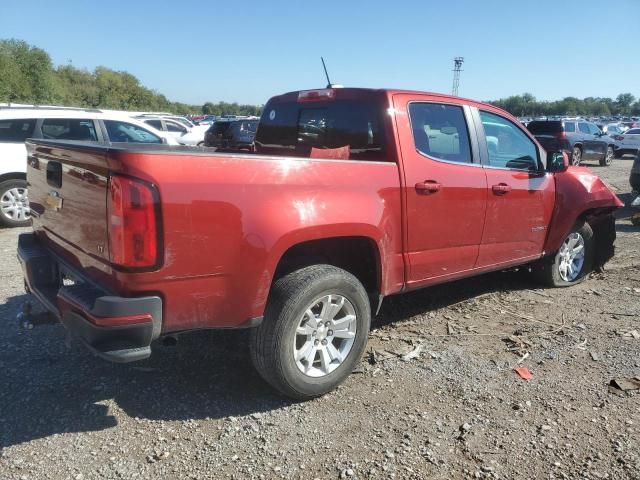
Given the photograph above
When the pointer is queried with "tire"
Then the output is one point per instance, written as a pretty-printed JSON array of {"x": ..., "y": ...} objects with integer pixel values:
[
  {"x": 200, "y": 144},
  {"x": 608, "y": 157},
  {"x": 288, "y": 329},
  {"x": 635, "y": 220},
  {"x": 14, "y": 204},
  {"x": 576, "y": 156},
  {"x": 549, "y": 271}
]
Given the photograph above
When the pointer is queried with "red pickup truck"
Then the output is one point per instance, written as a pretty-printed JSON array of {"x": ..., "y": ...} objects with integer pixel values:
[{"x": 350, "y": 196}]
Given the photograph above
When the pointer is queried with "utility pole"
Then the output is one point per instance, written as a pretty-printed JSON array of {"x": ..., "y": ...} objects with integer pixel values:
[{"x": 457, "y": 68}]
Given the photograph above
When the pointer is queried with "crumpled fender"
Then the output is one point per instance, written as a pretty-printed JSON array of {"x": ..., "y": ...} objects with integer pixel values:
[{"x": 579, "y": 194}]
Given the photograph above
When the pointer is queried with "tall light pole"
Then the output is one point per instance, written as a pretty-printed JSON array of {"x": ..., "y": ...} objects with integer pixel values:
[{"x": 457, "y": 68}]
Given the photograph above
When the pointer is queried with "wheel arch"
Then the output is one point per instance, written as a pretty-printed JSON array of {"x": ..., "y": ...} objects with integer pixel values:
[{"x": 13, "y": 176}]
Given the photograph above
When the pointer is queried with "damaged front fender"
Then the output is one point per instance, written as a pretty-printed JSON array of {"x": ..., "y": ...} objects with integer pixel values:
[{"x": 581, "y": 195}]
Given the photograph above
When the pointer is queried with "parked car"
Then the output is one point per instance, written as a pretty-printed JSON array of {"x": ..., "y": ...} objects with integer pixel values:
[
  {"x": 629, "y": 142},
  {"x": 580, "y": 139},
  {"x": 232, "y": 134},
  {"x": 352, "y": 195},
  {"x": 185, "y": 135},
  {"x": 18, "y": 124},
  {"x": 612, "y": 129}
]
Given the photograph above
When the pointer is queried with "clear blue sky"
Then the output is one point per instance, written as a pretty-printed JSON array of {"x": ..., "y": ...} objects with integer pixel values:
[{"x": 246, "y": 51}]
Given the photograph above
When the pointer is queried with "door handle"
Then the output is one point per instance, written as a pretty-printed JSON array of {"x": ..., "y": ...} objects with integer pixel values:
[
  {"x": 428, "y": 187},
  {"x": 501, "y": 189}
]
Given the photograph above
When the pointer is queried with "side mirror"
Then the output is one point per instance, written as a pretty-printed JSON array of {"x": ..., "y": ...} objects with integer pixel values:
[{"x": 558, "y": 162}]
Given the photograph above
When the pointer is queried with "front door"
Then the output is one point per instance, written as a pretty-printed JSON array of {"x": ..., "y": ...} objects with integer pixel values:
[
  {"x": 445, "y": 187},
  {"x": 520, "y": 194}
]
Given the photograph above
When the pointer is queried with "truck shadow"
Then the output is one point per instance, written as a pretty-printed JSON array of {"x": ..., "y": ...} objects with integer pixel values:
[{"x": 48, "y": 388}]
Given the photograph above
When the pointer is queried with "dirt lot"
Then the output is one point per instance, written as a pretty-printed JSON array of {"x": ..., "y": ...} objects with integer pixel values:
[{"x": 457, "y": 411}]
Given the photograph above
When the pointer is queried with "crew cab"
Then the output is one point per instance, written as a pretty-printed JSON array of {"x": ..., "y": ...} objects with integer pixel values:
[{"x": 350, "y": 196}]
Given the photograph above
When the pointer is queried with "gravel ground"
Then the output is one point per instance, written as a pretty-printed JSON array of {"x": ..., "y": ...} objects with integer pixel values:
[{"x": 458, "y": 410}]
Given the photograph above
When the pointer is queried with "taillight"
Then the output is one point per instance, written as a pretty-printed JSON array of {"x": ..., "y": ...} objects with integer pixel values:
[
  {"x": 618, "y": 137},
  {"x": 133, "y": 223},
  {"x": 316, "y": 95}
]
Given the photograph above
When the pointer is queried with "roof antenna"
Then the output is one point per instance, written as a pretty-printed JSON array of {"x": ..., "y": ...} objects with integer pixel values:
[{"x": 326, "y": 73}]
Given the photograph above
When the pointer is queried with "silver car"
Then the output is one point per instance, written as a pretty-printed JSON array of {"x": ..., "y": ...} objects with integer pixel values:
[{"x": 628, "y": 143}]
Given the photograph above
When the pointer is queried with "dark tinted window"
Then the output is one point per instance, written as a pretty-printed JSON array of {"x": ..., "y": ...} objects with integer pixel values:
[
  {"x": 157, "y": 124},
  {"x": 583, "y": 127},
  {"x": 127, "y": 132},
  {"x": 541, "y": 127},
  {"x": 220, "y": 127},
  {"x": 69, "y": 129},
  {"x": 341, "y": 129},
  {"x": 508, "y": 146},
  {"x": 16, "y": 130},
  {"x": 569, "y": 127},
  {"x": 440, "y": 131},
  {"x": 633, "y": 131}
]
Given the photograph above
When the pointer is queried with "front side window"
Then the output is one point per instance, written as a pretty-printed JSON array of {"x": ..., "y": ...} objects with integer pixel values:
[
  {"x": 126, "y": 132},
  {"x": 69, "y": 129},
  {"x": 440, "y": 131},
  {"x": 508, "y": 146},
  {"x": 593, "y": 129},
  {"x": 583, "y": 127},
  {"x": 174, "y": 127},
  {"x": 570, "y": 127},
  {"x": 16, "y": 131},
  {"x": 157, "y": 124}
]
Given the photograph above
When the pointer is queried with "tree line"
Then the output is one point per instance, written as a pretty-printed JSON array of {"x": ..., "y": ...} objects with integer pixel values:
[
  {"x": 27, "y": 75},
  {"x": 527, "y": 105}
]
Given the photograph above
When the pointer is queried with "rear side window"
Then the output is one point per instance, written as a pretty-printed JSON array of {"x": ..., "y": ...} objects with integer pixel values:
[
  {"x": 16, "y": 130},
  {"x": 69, "y": 129},
  {"x": 542, "y": 127},
  {"x": 129, "y": 133},
  {"x": 440, "y": 131},
  {"x": 342, "y": 129},
  {"x": 570, "y": 127}
]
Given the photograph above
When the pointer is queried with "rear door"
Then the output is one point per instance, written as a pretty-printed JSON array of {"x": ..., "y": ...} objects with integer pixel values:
[
  {"x": 520, "y": 194},
  {"x": 445, "y": 190},
  {"x": 589, "y": 146}
]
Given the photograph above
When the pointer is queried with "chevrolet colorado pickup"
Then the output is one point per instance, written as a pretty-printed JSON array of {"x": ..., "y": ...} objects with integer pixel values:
[{"x": 351, "y": 195}]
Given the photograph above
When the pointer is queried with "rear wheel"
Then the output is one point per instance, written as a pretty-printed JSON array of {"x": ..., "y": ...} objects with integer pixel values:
[
  {"x": 14, "y": 204},
  {"x": 576, "y": 156},
  {"x": 608, "y": 157},
  {"x": 572, "y": 263},
  {"x": 314, "y": 331}
]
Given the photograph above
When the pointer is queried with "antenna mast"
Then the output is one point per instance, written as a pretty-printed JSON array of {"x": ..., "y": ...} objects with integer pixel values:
[
  {"x": 325, "y": 73},
  {"x": 457, "y": 68}
]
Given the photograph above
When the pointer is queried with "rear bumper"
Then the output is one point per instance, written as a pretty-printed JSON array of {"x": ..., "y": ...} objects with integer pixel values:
[{"x": 118, "y": 329}]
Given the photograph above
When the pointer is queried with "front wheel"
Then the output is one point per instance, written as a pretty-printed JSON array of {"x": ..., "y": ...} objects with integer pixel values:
[
  {"x": 572, "y": 263},
  {"x": 608, "y": 157},
  {"x": 14, "y": 204},
  {"x": 314, "y": 331},
  {"x": 576, "y": 156}
]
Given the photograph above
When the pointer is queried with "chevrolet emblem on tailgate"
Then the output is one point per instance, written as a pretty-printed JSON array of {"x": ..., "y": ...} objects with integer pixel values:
[{"x": 54, "y": 200}]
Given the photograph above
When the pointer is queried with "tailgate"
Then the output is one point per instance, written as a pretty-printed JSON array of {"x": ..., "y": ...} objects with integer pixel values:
[{"x": 68, "y": 197}]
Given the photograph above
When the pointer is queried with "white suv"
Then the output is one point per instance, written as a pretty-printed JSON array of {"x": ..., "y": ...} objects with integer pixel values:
[
  {"x": 184, "y": 131},
  {"x": 19, "y": 123}
]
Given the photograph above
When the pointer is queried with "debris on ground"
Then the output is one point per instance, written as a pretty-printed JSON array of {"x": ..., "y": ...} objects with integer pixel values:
[
  {"x": 524, "y": 373},
  {"x": 619, "y": 385}
]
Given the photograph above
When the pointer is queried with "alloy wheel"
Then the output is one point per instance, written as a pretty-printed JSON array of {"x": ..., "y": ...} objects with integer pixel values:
[
  {"x": 14, "y": 204},
  {"x": 325, "y": 335},
  {"x": 571, "y": 257}
]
